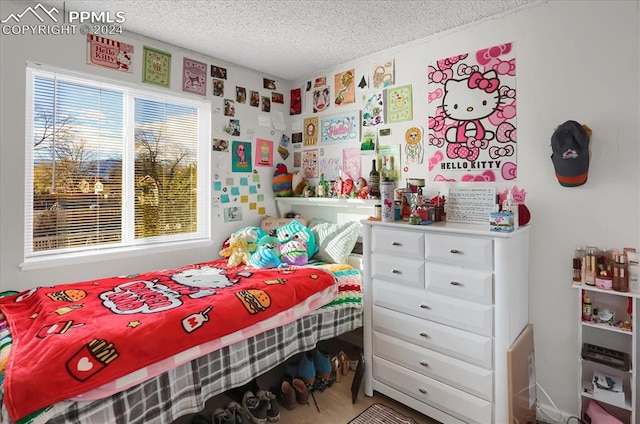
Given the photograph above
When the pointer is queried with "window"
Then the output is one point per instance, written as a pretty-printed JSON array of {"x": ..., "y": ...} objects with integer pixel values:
[{"x": 111, "y": 166}]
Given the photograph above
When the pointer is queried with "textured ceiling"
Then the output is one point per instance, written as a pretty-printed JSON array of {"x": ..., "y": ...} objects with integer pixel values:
[{"x": 292, "y": 39}]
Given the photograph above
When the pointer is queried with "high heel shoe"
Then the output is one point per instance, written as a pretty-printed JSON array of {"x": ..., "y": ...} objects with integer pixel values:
[
  {"x": 344, "y": 362},
  {"x": 337, "y": 368}
]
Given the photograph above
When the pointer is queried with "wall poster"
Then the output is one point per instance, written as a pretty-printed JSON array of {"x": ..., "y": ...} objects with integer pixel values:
[
  {"x": 341, "y": 128},
  {"x": 399, "y": 104},
  {"x": 109, "y": 53},
  {"x": 241, "y": 157},
  {"x": 264, "y": 152},
  {"x": 194, "y": 76},
  {"x": 157, "y": 67},
  {"x": 310, "y": 163},
  {"x": 310, "y": 131},
  {"x": 472, "y": 116}
]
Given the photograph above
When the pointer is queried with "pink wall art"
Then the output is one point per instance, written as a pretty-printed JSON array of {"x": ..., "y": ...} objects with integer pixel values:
[{"x": 472, "y": 116}]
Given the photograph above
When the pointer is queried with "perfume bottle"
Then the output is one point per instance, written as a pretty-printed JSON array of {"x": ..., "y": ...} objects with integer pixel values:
[{"x": 591, "y": 267}]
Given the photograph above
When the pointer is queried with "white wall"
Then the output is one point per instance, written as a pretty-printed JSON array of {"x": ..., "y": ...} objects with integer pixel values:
[
  {"x": 69, "y": 52},
  {"x": 575, "y": 60}
]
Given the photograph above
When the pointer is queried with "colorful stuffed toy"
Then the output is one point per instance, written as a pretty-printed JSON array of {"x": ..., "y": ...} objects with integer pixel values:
[
  {"x": 267, "y": 254},
  {"x": 237, "y": 251},
  {"x": 251, "y": 235},
  {"x": 282, "y": 181},
  {"x": 297, "y": 243}
]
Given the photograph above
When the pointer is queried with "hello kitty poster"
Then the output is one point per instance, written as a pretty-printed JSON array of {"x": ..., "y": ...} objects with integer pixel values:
[
  {"x": 109, "y": 53},
  {"x": 472, "y": 116}
]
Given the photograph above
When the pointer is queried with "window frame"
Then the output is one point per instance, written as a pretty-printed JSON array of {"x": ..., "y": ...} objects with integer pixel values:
[{"x": 128, "y": 244}]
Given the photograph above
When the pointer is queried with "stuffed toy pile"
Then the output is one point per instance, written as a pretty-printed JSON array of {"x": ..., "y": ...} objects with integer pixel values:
[{"x": 290, "y": 244}]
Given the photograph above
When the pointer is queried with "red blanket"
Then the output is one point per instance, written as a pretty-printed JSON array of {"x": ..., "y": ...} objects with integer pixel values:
[{"x": 72, "y": 338}]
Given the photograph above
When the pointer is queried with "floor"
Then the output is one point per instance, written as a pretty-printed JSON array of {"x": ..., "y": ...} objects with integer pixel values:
[{"x": 334, "y": 404}]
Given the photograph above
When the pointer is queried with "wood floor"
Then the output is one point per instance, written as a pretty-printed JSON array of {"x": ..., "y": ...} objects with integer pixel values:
[{"x": 334, "y": 403}]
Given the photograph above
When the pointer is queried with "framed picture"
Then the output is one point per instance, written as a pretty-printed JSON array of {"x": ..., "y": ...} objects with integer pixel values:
[
  {"x": 156, "y": 67},
  {"x": 194, "y": 76}
]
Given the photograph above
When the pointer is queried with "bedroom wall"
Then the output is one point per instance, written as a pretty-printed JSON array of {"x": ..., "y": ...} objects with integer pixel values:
[
  {"x": 69, "y": 52},
  {"x": 575, "y": 60}
]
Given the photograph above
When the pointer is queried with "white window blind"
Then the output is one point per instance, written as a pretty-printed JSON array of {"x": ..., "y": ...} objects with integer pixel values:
[{"x": 111, "y": 166}]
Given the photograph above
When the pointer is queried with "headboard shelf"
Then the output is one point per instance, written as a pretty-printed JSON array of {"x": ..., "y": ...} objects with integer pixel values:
[
  {"x": 328, "y": 202},
  {"x": 334, "y": 210}
]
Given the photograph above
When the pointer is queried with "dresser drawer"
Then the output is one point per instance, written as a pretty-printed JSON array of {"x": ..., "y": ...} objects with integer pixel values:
[
  {"x": 462, "y": 251},
  {"x": 469, "y": 378},
  {"x": 460, "y": 283},
  {"x": 409, "y": 272},
  {"x": 455, "y": 402},
  {"x": 462, "y": 314},
  {"x": 406, "y": 244},
  {"x": 469, "y": 347}
]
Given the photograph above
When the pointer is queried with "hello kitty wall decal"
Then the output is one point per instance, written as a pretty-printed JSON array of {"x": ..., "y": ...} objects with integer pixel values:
[{"x": 472, "y": 116}]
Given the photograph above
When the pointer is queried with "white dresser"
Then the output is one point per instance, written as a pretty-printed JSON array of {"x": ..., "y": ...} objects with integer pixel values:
[{"x": 443, "y": 303}]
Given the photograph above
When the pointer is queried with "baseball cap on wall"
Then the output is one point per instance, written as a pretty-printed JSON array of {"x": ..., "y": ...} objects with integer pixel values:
[{"x": 570, "y": 153}]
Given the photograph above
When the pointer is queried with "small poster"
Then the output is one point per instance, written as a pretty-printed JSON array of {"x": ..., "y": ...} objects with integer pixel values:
[
  {"x": 310, "y": 131},
  {"x": 341, "y": 128},
  {"x": 295, "y": 103},
  {"x": 399, "y": 104},
  {"x": 241, "y": 95},
  {"x": 109, "y": 53},
  {"x": 310, "y": 163},
  {"x": 383, "y": 74},
  {"x": 351, "y": 163},
  {"x": 254, "y": 99},
  {"x": 321, "y": 99},
  {"x": 218, "y": 87},
  {"x": 241, "y": 157},
  {"x": 373, "y": 109},
  {"x": 345, "y": 87},
  {"x": 389, "y": 160},
  {"x": 472, "y": 205},
  {"x": 218, "y": 72},
  {"x": 264, "y": 152},
  {"x": 194, "y": 76},
  {"x": 157, "y": 67}
]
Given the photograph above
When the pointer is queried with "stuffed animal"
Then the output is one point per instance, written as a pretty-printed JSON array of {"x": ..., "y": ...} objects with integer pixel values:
[
  {"x": 297, "y": 243},
  {"x": 298, "y": 182},
  {"x": 237, "y": 251},
  {"x": 251, "y": 235},
  {"x": 362, "y": 189},
  {"x": 282, "y": 181},
  {"x": 267, "y": 254}
]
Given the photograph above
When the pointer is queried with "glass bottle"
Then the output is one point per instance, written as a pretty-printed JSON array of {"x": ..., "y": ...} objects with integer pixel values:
[
  {"x": 587, "y": 310},
  {"x": 374, "y": 181},
  {"x": 620, "y": 275},
  {"x": 591, "y": 267}
]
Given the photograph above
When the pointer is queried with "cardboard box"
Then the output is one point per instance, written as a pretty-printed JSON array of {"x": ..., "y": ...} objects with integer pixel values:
[{"x": 607, "y": 388}]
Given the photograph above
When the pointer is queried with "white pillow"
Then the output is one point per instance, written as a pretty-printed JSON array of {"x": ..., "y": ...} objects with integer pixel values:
[{"x": 335, "y": 241}]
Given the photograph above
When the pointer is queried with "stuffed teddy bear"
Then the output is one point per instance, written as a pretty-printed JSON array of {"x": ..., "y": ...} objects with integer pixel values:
[
  {"x": 298, "y": 182},
  {"x": 237, "y": 251}
]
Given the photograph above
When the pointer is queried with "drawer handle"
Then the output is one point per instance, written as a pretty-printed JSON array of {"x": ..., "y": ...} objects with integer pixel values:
[
  {"x": 422, "y": 390},
  {"x": 396, "y": 243},
  {"x": 455, "y": 283},
  {"x": 455, "y": 251},
  {"x": 424, "y": 363},
  {"x": 423, "y": 334},
  {"x": 423, "y": 306},
  {"x": 396, "y": 271}
]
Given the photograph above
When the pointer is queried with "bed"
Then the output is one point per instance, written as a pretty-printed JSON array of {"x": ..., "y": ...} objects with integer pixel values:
[{"x": 277, "y": 313}]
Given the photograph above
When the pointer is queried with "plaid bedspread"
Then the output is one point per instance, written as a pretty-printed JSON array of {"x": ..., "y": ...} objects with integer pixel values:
[{"x": 185, "y": 389}]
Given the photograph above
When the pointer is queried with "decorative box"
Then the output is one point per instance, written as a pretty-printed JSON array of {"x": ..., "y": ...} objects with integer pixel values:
[{"x": 501, "y": 221}]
